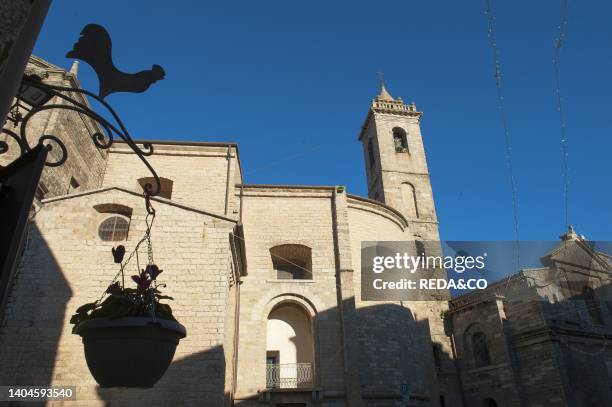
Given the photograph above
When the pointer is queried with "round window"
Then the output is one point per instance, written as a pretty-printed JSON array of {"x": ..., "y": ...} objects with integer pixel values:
[{"x": 113, "y": 229}]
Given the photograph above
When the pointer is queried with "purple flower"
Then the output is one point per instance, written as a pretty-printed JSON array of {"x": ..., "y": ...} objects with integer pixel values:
[
  {"x": 142, "y": 281},
  {"x": 114, "y": 288},
  {"x": 153, "y": 271},
  {"x": 118, "y": 253}
]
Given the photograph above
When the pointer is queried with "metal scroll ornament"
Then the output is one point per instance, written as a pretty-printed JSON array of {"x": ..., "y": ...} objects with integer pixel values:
[{"x": 94, "y": 47}]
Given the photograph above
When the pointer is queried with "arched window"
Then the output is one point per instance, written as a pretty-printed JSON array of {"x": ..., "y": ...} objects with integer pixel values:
[
  {"x": 480, "y": 350},
  {"x": 437, "y": 354},
  {"x": 289, "y": 347},
  {"x": 165, "y": 186},
  {"x": 409, "y": 197},
  {"x": 292, "y": 262},
  {"x": 114, "y": 228},
  {"x": 371, "y": 153},
  {"x": 400, "y": 140}
]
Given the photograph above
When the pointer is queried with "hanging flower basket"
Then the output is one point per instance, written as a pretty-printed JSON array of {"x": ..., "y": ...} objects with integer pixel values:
[
  {"x": 129, "y": 351},
  {"x": 129, "y": 335}
]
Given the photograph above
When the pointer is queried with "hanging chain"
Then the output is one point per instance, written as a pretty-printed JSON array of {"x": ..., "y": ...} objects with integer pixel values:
[
  {"x": 149, "y": 221},
  {"x": 147, "y": 237}
]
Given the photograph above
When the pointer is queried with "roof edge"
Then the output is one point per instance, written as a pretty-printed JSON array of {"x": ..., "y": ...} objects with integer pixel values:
[
  {"x": 280, "y": 186},
  {"x": 154, "y": 198},
  {"x": 192, "y": 143},
  {"x": 382, "y": 205}
]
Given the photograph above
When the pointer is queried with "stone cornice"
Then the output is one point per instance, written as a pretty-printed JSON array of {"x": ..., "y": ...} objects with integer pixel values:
[
  {"x": 284, "y": 191},
  {"x": 359, "y": 202},
  {"x": 390, "y": 108}
]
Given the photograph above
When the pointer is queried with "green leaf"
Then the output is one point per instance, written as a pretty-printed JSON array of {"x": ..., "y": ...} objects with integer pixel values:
[
  {"x": 164, "y": 297},
  {"x": 164, "y": 311}
]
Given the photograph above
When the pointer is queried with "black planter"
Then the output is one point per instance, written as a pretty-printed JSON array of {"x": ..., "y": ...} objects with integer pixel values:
[{"x": 130, "y": 351}]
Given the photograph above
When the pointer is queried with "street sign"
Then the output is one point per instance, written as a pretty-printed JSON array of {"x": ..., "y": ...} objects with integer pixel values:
[{"x": 404, "y": 391}]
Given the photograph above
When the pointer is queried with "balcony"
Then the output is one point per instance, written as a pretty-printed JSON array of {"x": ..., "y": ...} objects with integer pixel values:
[{"x": 289, "y": 375}]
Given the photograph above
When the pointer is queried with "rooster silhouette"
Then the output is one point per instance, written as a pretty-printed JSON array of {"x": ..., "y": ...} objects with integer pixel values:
[{"x": 95, "y": 47}]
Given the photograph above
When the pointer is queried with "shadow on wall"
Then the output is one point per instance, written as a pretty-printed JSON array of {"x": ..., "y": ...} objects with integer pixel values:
[
  {"x": 386, "y": 350},
  {"x": 550, "y": 343},
  {"x": 387, "y": 347},
  {"x": 580, "y": 348},
  {"x": 394, "y": 349},
  {"x": 31, "y": 324},
  {"x": 552, "y": 347},
  {"x": 195, "y": 380},
  {"x": 37, "y": 349}
]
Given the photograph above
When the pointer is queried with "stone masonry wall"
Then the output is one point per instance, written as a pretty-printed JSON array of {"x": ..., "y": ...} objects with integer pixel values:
[
  {"x": 65, "y": 265},
  {"x": 199, "y": 173},
  {"x": 274, "y": 216},
  {"x": 497, "y": 380},
  {"x": 13, "y": 15},
  {"x": 404, "y": 167},
  {"x": 86, "y": 163},
  {"x": 561, "y": 362},
  {"x": 395, "y": 337},
  {"x": 392, "y": 168}
]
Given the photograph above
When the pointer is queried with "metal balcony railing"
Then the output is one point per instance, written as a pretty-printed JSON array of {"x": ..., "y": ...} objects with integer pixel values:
[{"x": 289, "y": 375}]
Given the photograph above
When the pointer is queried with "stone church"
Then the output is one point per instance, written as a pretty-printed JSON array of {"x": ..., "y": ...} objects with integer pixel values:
[{"x": 266, "y": 279}]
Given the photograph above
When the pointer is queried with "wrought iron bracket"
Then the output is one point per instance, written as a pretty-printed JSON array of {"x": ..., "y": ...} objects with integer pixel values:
[
  {"x": 94, "y": 47},
  {"x": 68, "y": 102}
]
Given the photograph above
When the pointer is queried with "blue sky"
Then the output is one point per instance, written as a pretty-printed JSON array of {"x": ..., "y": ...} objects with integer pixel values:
[{"x": 291, "y": 82}]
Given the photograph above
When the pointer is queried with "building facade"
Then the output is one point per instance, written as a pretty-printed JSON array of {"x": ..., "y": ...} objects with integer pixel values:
[
  {"x": 266, "y": 278},
  {"x": 543, "y": 336},
  {"x": 273, "y": 313}
]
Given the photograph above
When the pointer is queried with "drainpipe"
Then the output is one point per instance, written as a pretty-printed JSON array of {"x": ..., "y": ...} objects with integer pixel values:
[
  {"x": 227, "y": 182},
  {"x": 236, "y": 336},
  {"x": 240, "y": 212},
  {"x": 457, "y": 365}
]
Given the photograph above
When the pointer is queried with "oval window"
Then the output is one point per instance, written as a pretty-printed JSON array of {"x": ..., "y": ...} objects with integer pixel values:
[{"x": 113, "y": 228}]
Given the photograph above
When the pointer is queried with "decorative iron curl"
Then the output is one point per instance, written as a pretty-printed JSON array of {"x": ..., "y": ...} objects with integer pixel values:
[
  {"x": 63, "y": 152},
  {"x": 4, "y": 147},
  {"x": 101, "y": 140}
]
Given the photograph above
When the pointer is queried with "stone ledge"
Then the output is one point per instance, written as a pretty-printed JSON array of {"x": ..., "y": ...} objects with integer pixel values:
[{"x": 290, "y": 281}]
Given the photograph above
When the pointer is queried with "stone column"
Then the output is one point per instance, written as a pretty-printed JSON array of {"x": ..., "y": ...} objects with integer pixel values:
[{"x": 346, "y": 298}]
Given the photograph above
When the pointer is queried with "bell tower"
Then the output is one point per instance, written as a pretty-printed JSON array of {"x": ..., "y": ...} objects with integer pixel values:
[{"x": 395, "y": 162}]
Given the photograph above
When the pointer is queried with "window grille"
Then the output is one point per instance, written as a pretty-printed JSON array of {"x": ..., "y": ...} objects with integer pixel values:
[{"x": 113, "y": 229}]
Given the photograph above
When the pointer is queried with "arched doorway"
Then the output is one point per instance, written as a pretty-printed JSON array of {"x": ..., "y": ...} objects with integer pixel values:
[{"x": 289, "y": 347}]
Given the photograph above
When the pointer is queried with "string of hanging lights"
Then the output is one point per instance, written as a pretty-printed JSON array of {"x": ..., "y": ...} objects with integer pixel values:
[{"x": 506, "y": 133}]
